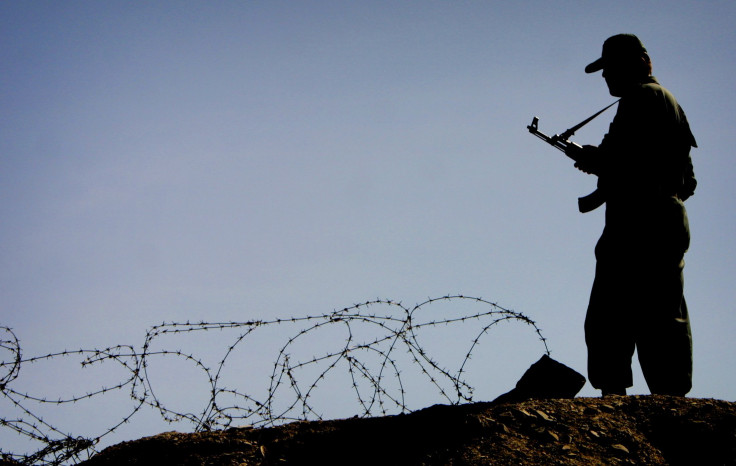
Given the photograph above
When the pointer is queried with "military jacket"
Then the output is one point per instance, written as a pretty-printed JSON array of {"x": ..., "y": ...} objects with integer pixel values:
[{"x": 646, "y": 152}]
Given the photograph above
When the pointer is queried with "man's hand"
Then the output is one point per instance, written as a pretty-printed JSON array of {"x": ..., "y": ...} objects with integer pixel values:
[{"x": 586, "y": 158}]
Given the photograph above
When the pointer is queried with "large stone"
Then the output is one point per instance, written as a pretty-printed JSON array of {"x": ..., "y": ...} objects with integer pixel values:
[{"x": 545, "y": 379}]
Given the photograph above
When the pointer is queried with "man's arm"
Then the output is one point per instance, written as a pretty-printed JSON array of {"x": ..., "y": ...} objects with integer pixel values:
[{"x": 587, "y": 158}]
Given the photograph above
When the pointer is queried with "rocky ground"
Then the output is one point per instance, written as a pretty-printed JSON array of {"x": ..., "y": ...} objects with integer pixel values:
[{"x": 581, "y": 431}]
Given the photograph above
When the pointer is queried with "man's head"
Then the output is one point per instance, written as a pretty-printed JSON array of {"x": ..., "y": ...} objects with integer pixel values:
[{"x": 624, "y": 61}]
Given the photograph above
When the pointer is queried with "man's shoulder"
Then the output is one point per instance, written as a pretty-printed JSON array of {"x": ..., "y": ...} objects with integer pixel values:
[
  {"x": 654, "y": 87},
  {"x": 651, "y": 92}
]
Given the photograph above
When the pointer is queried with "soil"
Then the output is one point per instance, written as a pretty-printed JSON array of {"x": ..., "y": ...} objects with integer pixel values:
[{"x": 581, "y": 431}]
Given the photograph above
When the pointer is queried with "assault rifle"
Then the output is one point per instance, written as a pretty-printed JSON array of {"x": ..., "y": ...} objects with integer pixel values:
[{"x": 561, "y": 141}]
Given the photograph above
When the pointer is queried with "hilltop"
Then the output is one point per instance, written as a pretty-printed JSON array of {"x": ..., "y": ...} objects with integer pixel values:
[{"x": 581, "y": 431}]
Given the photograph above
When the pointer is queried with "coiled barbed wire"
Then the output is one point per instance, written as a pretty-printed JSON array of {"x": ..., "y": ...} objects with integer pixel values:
[{"x": 371, "y": 362}]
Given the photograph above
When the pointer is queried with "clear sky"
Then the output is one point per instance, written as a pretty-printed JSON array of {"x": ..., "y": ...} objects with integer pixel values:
[{"x": 174, "y": 161}]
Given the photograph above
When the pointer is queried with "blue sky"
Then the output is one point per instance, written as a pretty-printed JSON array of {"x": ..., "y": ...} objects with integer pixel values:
[{"x": 174, "y": 161}]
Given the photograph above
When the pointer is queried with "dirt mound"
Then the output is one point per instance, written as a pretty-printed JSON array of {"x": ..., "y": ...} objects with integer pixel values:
[{"x": 582, "y": 431}]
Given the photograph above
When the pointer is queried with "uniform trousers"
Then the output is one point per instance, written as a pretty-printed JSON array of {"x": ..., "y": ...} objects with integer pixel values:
[{"x": 637, "y": 299}]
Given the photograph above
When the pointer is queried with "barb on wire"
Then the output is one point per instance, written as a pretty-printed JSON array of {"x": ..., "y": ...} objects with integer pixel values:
[{"x": 373, "y": 353}]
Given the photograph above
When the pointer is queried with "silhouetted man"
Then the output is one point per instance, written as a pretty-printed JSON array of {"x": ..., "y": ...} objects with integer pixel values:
[{"x": 645, "y": 173}]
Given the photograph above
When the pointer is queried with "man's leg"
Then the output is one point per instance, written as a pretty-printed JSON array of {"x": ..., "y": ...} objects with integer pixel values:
[
  {"x": 609, "y": 334},
  {"x": 665, "y": 342}
]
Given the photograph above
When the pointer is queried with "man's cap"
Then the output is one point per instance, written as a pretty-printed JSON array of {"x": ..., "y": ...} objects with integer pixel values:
[{"x": 616, "y": 48}]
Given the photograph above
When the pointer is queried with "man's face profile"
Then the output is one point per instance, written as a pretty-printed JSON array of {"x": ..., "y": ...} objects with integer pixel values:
[
  {"x": 615, "y": 79},
  {"x": 624, "y": 73}
]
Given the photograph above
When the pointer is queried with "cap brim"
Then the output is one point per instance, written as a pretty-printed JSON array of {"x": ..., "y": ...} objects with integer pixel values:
[{"x": 595, "y": 66}]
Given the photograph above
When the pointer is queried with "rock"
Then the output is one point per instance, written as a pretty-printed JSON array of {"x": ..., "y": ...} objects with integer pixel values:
[{"x": 545, "y": 379}]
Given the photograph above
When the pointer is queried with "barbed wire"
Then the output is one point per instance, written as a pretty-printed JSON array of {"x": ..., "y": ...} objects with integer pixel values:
[{"x": 370, "y": 354}]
